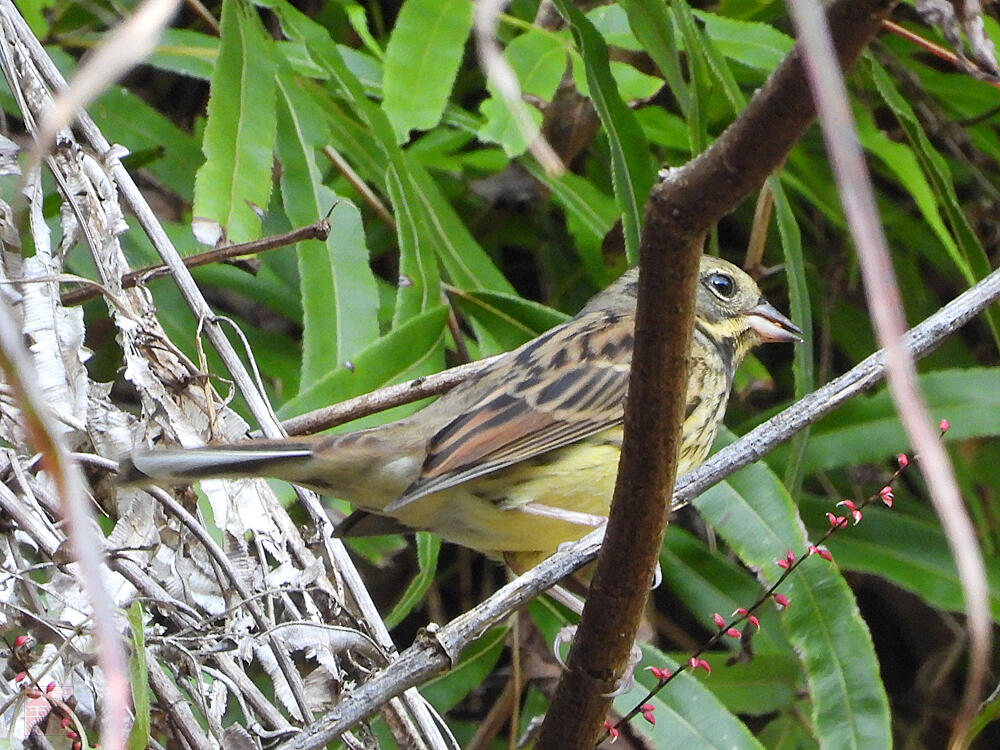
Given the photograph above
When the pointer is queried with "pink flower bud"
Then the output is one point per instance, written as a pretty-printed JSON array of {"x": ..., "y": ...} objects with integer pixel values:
[
  {"x": 50, "y": 687},
  {"x": 781, "y": 600},
  {"x": 20, "y": 677},
  {"x": 943, "y": 426},
  {"x": 741, "y": 611},
  {"x": 646, "y": 709},
  {"x": 20, "y": 641},
  {"x": 659, "y": 673},
  {"x": 733, "y": 633},
  {"x": 697, "y": 663},
  {"x": 752, "y": 619},
  {"x": 902, "y": 460},
  {"x": 886, "y": 496},
  {"x": 824, "y": 553},
  {"x": 836, "y": 521},
  {"x": 782, "y": 563},
  {"x": 718, "y": 620}
]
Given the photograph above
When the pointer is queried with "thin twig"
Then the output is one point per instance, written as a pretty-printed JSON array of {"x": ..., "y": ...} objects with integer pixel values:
[{"x": 318, "y": 231}]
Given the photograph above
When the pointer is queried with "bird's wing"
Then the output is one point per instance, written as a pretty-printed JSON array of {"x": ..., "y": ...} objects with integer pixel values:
[{"x": 561, "y": 388}]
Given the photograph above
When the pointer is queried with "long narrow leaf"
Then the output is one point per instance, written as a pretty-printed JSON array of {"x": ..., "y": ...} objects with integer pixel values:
[
  {"x": 239, "y": 135},
  {"x": 632, "y": 168}
]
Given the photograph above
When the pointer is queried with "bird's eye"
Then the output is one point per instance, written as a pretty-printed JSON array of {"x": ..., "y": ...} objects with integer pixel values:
[{"x": 722, "y": 284}]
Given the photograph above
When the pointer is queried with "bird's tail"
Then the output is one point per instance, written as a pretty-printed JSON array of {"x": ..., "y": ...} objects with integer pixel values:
[{"x": 261, "y": 458}]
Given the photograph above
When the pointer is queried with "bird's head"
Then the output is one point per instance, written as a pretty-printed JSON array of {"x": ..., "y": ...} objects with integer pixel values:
[{"x": 732, "y": 311}]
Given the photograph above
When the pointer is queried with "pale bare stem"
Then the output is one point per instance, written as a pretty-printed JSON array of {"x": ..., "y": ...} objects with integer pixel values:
[
  {"x": 886, "y": 307},
  {"x": 46, "y": 436},
  {"x": 182, "y": 410},
  {"x": 502, "y": 76}
]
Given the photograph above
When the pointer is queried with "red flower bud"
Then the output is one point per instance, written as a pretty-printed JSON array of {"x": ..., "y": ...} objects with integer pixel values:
[{"x": 781, "y": 600}]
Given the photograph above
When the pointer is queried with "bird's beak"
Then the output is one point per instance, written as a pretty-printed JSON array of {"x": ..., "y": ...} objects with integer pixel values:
[{"x": 771, "y": 325}]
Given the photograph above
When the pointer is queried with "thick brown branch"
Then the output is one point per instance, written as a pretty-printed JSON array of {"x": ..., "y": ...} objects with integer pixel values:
[{"x": 680, "y": 211}]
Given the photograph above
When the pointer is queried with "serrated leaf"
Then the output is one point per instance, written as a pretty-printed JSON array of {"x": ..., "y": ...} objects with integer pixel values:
[
  {"x": 423, "y": 55},
  {"x": 970, "y": 257},
  {"x": 239, "y": 134},
  {"x": 651, "y": 23},
  {"x": 339, "y": 297},
  {"x": 632, "y": 168},
  {"x": 427, "y": 218}
]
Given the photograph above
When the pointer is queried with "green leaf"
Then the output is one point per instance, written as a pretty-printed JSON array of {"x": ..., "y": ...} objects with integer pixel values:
[
  {"x": 422, "y": 59},
  {"x": 428, "y": 547},
  {"x": 414, "y": 348},
  {"x": 650, "y": 21},
  {"x": 419, "y": 282},
  {"x": 753, "y": 512},
  {"x": 32, "y": 10},
  {"x": 758, "y": 45},
  {"x": 632, "y": 168},
  {"x": 138, "y": 736},
  {"x": 803, "y": 369},
  {"x": 339, "y": 297},
  {"x": 239, "y": 135},
  {"x": 910, "y": 552},
  {"x": 687, "y": 713},
  {"x": 538, "y": 59},
  {"x": 424, "y": 219}
]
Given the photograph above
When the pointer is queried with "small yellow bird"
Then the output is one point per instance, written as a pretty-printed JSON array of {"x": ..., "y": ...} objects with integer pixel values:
[{"x": 522, "y": 457}]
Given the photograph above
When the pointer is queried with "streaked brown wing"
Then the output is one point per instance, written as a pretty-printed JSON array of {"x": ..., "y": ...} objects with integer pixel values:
[{"x": 560, "y": 389}]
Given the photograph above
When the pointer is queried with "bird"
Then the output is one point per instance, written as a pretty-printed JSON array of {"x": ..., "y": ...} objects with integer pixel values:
[{"x": 522, "y": 457}]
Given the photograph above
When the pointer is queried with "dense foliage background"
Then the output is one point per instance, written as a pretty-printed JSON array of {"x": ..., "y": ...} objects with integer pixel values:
[{"x": 449, "y": 243}]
